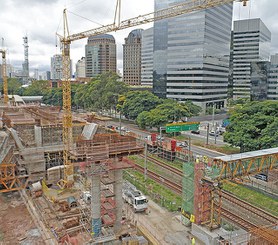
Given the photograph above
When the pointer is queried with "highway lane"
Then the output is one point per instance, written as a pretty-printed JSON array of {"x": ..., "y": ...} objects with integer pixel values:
[{"x": 195, "y": 149}]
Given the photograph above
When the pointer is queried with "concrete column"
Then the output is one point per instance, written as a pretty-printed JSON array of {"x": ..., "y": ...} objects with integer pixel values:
[
  {"x": 118, "y": 198},
  {"x": 38, "y": 136},
  {"x": 96, "y": 205}
]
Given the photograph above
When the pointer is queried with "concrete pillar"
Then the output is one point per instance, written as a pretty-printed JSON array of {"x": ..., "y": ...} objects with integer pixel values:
[
  {"x": 96, "y": 205},
  {"x": 118, "y": 186},
  {"x": 38, "y": 136}
]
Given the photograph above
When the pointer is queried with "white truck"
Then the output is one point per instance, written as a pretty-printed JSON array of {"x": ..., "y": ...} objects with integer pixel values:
[{"x": 134, "y": 197}]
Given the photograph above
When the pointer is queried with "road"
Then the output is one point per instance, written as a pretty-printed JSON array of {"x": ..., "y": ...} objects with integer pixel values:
[{"x": 195, "y": 149}]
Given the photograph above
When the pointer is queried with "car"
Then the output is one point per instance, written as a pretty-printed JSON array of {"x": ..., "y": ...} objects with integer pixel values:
[
  {"x": 213, "y": 133},
  {"x": 160, "y": 138},
  {"x": 261, "y": 177},
  {"x": 195, "y": 131},
  {"x": 182, "y": 144}
]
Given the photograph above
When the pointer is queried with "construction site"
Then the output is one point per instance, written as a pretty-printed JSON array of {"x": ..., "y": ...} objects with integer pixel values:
[{"x": 68, "y": 171}]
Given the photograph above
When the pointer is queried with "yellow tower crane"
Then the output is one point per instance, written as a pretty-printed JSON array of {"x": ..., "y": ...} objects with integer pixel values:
[
  {"x": 4, "y": 76},
  {"x": 66, "y": 39}
]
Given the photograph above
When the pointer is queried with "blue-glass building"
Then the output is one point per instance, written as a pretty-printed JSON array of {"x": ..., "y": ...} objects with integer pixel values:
[{"x": 191, "y": 55}]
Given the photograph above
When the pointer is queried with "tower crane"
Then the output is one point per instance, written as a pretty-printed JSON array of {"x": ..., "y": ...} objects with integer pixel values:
[
  {"x": 67, "y": 38},
  {"x": 4, "y": 76}
]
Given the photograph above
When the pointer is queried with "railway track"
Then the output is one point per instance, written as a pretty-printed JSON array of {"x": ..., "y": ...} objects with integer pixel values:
[
  {"x": 238, "y": 204},
  {"x": 163, "y": 165},
  {"x": 162, "y": 180},
  {"x": 268, "y": 217},
  {"x": 235, "y": 218}
]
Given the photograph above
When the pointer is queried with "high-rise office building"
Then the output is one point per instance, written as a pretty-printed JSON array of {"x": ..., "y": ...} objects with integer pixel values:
[
  {"x": 191, "y": 55},
  {"x": 81, "y": 68},
  {"x": 56, "y": 67},
  {"x": 272, "y": 93},
  {"x": 251, "y": 43},
  {"x": 147, "y": 57},
  {"x": 259, "y": 80},
  {"x": 132, "y": 58},
  {"x": 100, "y": 54}
]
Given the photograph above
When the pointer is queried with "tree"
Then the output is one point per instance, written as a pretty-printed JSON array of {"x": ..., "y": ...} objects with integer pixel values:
[
  {"x": 253, "y": 126},
  {"x": 101, "y": 93},
  {"x": 37, "y": 88},
  {"x": 14, "y": 86},
  {"x": 137, "y": 102},
  {"x": 167, "y": 112}
]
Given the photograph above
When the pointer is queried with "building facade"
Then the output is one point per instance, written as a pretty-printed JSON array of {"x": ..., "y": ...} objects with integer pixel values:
[
  {"x": 251, "y": 43},
  {"x": 272, "y": 92},
  {"x": 56, "y": 67},
  {"x": 81, "y": 68},
  {"x": 191, "y": 55},
  {"x": 259, "y": 80},
  {"x": 100, "y": 55},
  {"x": 132, "y": 58},
  {"x": 147, "y": 58}
]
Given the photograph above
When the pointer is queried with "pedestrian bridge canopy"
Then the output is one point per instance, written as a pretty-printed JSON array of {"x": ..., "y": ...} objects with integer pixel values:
[{"x": 243, "y": 164}]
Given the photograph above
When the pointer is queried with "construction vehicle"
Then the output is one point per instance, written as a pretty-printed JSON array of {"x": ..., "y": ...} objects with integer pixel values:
[{"x": 134, "y": 197}]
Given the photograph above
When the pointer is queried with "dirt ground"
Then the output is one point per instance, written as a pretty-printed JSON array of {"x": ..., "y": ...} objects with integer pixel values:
[{"x": 16, "y": 225}]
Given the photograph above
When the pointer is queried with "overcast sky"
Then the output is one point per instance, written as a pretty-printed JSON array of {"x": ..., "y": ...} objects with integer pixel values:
[{"x": 40, "y": 19}]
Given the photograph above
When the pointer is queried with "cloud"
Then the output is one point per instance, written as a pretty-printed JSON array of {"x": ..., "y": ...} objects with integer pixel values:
[{"x": 40, "y": 19}]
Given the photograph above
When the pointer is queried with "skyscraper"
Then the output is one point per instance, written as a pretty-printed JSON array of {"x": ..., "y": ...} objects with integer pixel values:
[
  {"x": 25, "y": 65},
  {"x": 272, "y": 93},
  {"x": 132, "y": 58},
  {"x": 251, "y": 43},
  {"x": 147, "y": 57},
  {"x": 191, "y": 55},
  {"x": 100, "y": 54},
  {"x": 81, "y": 68},
  {"x": 56, "y": 67}
]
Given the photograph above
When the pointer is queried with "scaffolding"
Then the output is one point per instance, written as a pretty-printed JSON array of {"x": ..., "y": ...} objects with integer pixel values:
[
  {"x": 188, "y": 190},
  {"x": 102, "y": 160}
]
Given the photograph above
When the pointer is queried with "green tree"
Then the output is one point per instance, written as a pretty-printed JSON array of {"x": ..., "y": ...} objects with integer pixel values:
[
  {"x": 137, "y": 102},
  {"x": 101, "y": 93},
  {"x": 14, "y": 86},
  {"x": 167, "y": 112},
  {"x": 253, "y": 126},
  {"x": 37, "y": 88}
]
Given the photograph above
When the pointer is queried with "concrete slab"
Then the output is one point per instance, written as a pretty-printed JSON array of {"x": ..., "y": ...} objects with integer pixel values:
[{"x": 162, "y": 225}]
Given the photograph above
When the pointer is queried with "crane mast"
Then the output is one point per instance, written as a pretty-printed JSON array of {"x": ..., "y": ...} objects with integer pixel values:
[
  {"x": 4, "y": 76},
  {"x": 66, "y": 39}
]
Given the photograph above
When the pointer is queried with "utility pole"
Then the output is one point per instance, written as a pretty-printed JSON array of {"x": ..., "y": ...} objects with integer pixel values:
[
  {"x": 208, "y": 134},
  {"x": 145, "y": 163},
  {"x": 120, "y": 121},
  {"x": 213, "y": 111}
]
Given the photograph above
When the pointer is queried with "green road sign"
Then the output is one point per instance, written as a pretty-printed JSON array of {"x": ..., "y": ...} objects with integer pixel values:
[{"x": 178, "y": 127}]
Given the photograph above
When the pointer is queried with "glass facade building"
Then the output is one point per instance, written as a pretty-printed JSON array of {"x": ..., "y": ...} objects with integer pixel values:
[
  {"x": 191, "y": 55},
  {"x": 251, "y": 43},
  {"x": 100, "y": 55},
  {"x": 272, "y": 93},
  {"x": 259, "y": 80},
  {"x": 147, "y": 58},
  {"x": 132, "y": 58}
]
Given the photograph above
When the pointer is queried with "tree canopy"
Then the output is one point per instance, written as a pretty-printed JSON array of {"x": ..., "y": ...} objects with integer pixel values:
[
  {"x": 167, "y": 112},
  {"x": 253, "y": 126},
  {"x": 136, "y": 102},
  {"x": 14, "y": 86},
  {"x": 37, "y": 88},
  {"x": 101, "y": 93}
]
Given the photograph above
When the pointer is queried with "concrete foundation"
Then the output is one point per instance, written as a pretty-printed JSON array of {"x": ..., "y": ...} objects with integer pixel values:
[{"x": 212, "y": 238}]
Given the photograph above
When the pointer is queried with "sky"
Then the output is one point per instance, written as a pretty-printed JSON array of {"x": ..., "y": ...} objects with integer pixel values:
[{"x": 41, "y": 19}]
